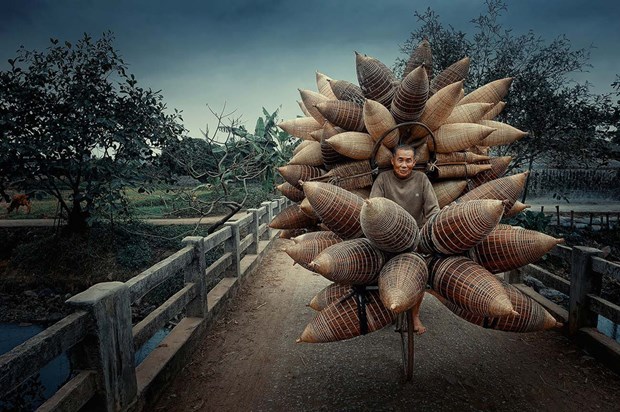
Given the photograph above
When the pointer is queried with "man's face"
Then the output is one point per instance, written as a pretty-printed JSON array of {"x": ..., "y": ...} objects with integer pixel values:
[{"x": 403, "y": 162}]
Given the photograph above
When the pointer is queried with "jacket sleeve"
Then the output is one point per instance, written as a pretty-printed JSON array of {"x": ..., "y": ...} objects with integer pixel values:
[{"x": 377, "y": 188}]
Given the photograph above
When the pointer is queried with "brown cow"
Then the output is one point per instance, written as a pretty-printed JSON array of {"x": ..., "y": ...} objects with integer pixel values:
[{"x": 19, "y": 200}]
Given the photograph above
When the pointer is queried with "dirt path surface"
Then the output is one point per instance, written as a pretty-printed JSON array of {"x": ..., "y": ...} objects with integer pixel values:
[{"x": 250, "y": 361}]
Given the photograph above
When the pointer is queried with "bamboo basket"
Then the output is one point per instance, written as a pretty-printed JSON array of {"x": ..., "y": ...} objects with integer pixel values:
[
  {"x": 454, "y": 171},
  {"x": 460, "y": 157},
  {"x": 359, "y": 146},
  {"x": 305, "y": 252},
  {"x": 328, "y": 295},
  {"x": 438, "y": 109},
  {"x": 322, "y": 84},
  {"x": 422, "y": 154},
  {"x": 460, "y": 226},
  {"x": 310, "y": 155},
  {"x": 388, "y": 226},
  {"x": 499, "y": 165},
  {"x": 495, "y": 111},
  {"x": 304, "y": 143},
  {"x": 351, "y": 262},
  {"x": 421, "y": 55},
  {"x": 344, "y": 90},
  {"x": 340, "y": 320},
  {"x": 363, "y": 192},
  {"x": 292, "y": 233},
  {"x": 303, "y": 108},
  {"x": 307, "y": 209},
  {"x": 376, "y": 80},
  {"x": 350, "y": 176},
  {"x": 448, "y": 190},
  {"x": 469, "y": 113},
  {"x": 310, "y": 100},
  {"x": 504, "y": 250},
  {"x": 294, "y": 173},
  {"x": 503, "y": 135},
  {"x": 317, "y": 135},
  {"x": 300, "y": 127},
  {"x": 291, "y": 192},
  {"x": 291, "y": 218},
  {"x": 378, "y": 120},
  {"x": 338, "y": 208},
  {"x": 492, "y": 92},
  {"x": 410, "y": 97},
  {"x": 458, "y": 136},
  {"x": 507, "y": 188},
  {"x": 402, "y": 282},
  {"x": 454, "y": 73},
  {"x": 343, "y": 113},
  {"x": 517, "y": 208},
  {"x": 321, "y": 234},
  {"x": 331, "y": 157},
  {"x": 469, "y": 286}
]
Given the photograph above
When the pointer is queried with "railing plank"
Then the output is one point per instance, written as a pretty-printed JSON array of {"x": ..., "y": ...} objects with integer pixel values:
[
  {"x": 219, "y": 266},
  {"x": 262, "y": 229},
  {"x": 549, "y": 279},
  {"x": 245, "y": 243},
  {"x": 563, "y": 252},
  {"x": 155, "y": 320},
  {"x": 606, "y": 268},
  {"x": 216, "y": 238},
  {"x": 604, "y": 308},
  {"x": 245, "y": 221},
  {"x": 73, "y": 395}
]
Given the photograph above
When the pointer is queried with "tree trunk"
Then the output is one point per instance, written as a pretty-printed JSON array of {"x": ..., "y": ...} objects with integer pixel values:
[
  {"x": 76, "y": 222},
  {"x": 527, "y": 180}
]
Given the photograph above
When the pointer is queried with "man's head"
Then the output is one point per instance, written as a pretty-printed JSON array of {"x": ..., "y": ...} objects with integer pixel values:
[{"x": 403, "y": 160}]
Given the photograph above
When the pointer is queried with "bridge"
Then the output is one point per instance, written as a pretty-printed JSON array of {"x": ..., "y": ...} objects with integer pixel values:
[{"x": 234, "y": 346}]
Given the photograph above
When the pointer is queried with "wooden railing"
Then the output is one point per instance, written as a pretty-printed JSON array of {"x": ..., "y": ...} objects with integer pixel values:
[{"x": 101, "y": 340}]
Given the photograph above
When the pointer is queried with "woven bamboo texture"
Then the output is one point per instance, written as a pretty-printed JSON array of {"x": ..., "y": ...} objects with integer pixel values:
[
  {"x": 310, "y": 155},
  {"x": 352, "y": 175},
  {"x": 458, "y": 136},
  {"x": 331, "y": 157},
  {"x": 363, "y": 192},
  {"x": 378, "y": 120},
  {"x": 402, "y": 281},
  {"x": 532, "y": 316},
  {"x": 481, "y": 150},
  {"x": 340, "y": 320},
  {"x": 300, "y": 127},
  {"x": 291, "y": 233},
  {"x": 338, "y": 208},
  {"x": 410, "y": 97},
  {"x": 343, "y": 113},
  {"x": 503, "y": 135},
  {"x": 454, "y": 171},
  {"x": 303, "y": 108},
  {"x": 388, "y": 225},
  {"x": 469, "y": 113},
  {"x": 328, "y": 295},
  {"x": 421, "y": 55},
  {"x": 294, "y": 173},
  {"x": 504, "y": 250},
  {"x": 454, "y": 73},
  {"x": 460, "y": 226},
  {"x": 376, "y": 80},
  {"x": 492, "y": 92},
  {"x": 507, "y": 188},
  {"x": 304, "y": 252},
  {"x": 460, "y": 157},
  {"x": 359, "y": 146},
  {"x": 291, "y": 218},
  {"x": 303, "y": 144},
  {"x": 317, "y": 135},
  {"x": 422, "y": 154},
  {"x": 322, "y": 84},
  {"x": 499, "y": 165},
  {"x": 448, "y": 190},
  {"x": 494, "y": 112},
  {"x": 344, "y": 90},
  {"x": 320, "y": 234},
  {"x": 517, "y": 208},
  {"x": 291, "y": 192},
  {"x": 470, "y": 286},
  {"x": 353, "y": 261},
  {"x": 307, "y": 209},
  {"x": 438, "y": 108},
  {"x": 310, "y": 100}
]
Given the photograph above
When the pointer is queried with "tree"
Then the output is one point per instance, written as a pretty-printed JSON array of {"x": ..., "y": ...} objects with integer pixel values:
[{"x": 76, "y": 125}]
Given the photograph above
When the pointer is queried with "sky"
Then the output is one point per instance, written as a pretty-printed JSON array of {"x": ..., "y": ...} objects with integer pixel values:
[{"x": 245, "y": 55}]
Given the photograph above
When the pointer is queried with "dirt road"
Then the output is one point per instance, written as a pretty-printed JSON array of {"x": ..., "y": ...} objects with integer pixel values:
[{"x": 250, "y": 362}]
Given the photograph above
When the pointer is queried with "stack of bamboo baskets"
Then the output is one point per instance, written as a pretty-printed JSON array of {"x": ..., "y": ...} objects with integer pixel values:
[{"x": 338, "y": 232}]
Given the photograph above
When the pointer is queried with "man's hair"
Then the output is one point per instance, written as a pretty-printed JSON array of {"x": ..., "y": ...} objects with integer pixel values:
[{"x": 402, "y": 147}]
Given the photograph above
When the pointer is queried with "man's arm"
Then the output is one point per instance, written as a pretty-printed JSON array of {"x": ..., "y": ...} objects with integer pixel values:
[
  {"x": 431, "y": 205},
  {"x": 377, "y": 188}
]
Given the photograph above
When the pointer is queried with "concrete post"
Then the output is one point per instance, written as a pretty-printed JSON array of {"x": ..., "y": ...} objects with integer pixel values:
[
  {"x": 582, "y": 282},
  {"x": 195, "y": 273},
  {"x": 268, "y": 217},
  {"x": 232, "y": 245},
  {"x": 253, "y": 248},
  {"x": 109, "y": 350}
]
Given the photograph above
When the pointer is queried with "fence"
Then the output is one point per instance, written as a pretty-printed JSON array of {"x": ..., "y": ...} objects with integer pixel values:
[
  {"x": 574, "y": 183},
  {"x": 101, "y": 340}
]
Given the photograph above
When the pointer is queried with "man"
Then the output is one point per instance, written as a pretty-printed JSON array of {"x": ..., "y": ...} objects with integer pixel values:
[{"x": 413, "y": 191}]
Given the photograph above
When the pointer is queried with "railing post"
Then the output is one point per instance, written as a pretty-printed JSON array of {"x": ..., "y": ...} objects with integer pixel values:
[
  {"x": 253, "y": 248},
  {"x": 268, "y": 218},
  {"x": 582, "y": 282},
  {"x": 110, "y": 351},
  {"x": 232, "y": 245},
  {"x": 196, "y": 274}
]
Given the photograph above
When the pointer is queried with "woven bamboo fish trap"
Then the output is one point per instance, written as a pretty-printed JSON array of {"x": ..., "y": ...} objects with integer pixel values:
[
  {"x": 344, "y": 90},
  {"x": 359, "y": 146},
  {"x": 310, "y": 155},
  {"x": 363, "y": 192},
  {"x": 350, "y": 176},
  {"x": 328, "y": 295},
  {"x": 303, "y": 143},
  {"x": 507, "y": 188},
  {"x": 340, "y": 320},
  {"x": 338, "y": 208},
  {"x": 492, "y": 92},
  {"x": 448, "y": 190},
  {"x": 291, "y": 218},
  {"x": 438, "y": 108},
  {"x": 292, "y": 233},
  {"x": 503, "y": 135},
  {"x": 504, "y": 250},
  {"x": 517, "y": 208},
  {"x": 305, "y": 252},
  {"x": 454, "y": 171},
  {"x": 460, "y": 157},
  {"x": 402, "y": 281},
  {"x": 532, "y": 316},
  {"x": 421, "y": 55},
  {"x": 310, "y": 100},
  {"x": 291, "y": 192},
  {"x": 480, "y": 150},
  {"x": 354, "y": 262},
  {"x": 378, "y": 120},
  {"x": 470, "y": 286},
  {"x": 294, "y": 173},
  {"x": 469, "y": 113},
  {"x": 300, "y": 127},
  {"x": 317, "y": 135},
  {"x": 454, "y": 73},
  {"x": 376, "y": 80},
  {"x": 499, "y": 165},
  {"x": 322, "y": 84},
  {"x": 460, "y": 226},
  {"x": 343, "y": 113},
  {"x": 388, "y": 226},
  {"x": 458, "y": 136},
  {"x": 320, "y": 234},
  {"x": 303, "y": 108},
  {"x": 307, "y": 209},
  {"x": 331, "y": 157},
  {"x": 494, "y": 112},
  {"x": 410, "y": 97}
]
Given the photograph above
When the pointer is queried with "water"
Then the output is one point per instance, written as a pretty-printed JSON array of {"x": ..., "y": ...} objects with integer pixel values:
[{"x": 608, "y": 328}]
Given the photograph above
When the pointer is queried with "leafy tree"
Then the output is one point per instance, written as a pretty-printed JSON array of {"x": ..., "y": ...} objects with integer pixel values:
[{"x": 76, "y": 125}]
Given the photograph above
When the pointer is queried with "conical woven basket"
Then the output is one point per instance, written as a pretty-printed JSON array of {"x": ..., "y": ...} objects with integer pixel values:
[
  {"x": 364, "y": 192},
  {"x": 507, "y": 188},
  {"x": 310, "y": 155},
  {"x": 291, "y": 192},
  {"x": 303, "y": 108},
  {"x": 438, "y": 108},
  {"x": 402, "y": 281},
  {"x": 422, "y": 154},
  {"x": 495, "y": 111},
  {"x": 306, "y": 251},
  {"x": 499, "y": 165},
  {"x": 322, "y": 84},
  {"x": 304, "y": 143},
  {"x": 458, "y": 136},
  {"x": 344, "y": 90},
  {"x": 338, "y": 208},
  {"x": 504, "y": 250},
  {"x": 492, "y": 92},
  {"x": 354, "y": 261},
  {"x": 517, "y": 208},
  {"x": 307, "y": 209},
  {"x": 350, "y": 176},
  {"x": 503, "y": 135},
  {"x": 448, "y": 190},
  {"x": 460, "y": 157},
  {"x": 459, "y": 227},
  {"x": 469, "y": 113},
  {"x": 340, "y": 320},
  {"x": 310, "y": 100},
  {"x": 328, "y": 295},
  {"x": 469, "y": 286},
  {"x": 454, "y": 171},
  {"x": 321, "y": 234},
  {"x": 410, "y": 97},
  {"x": 294, "y": 173},
  {"x": 291, "y": 218},
  {"x": 378, "y": 120},
  {"x": 330, "y": 156},
  {"x": 421, "y": 55},
  {"x": 300, "y": 127},
  {"x": 359, "y": 146},
  {"x": 388, "y": 226},
  {"x": 291, "y": 233},
  {"x": 454, "y": 73},
  {"x": 375, "y": 79},
  {"x": 343, "y": 113}
]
